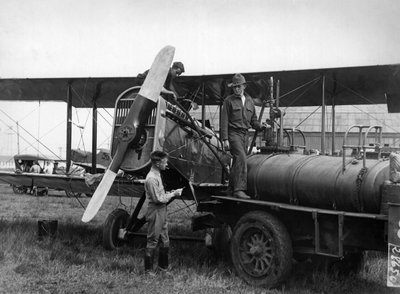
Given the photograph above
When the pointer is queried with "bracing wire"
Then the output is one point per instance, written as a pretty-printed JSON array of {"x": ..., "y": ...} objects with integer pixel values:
[
  {"x": 308, "y": 116},
  {"x": 298, "y": 88},
  {"x": 315, "y": 81},
  {"x": 36, "y": 140}
]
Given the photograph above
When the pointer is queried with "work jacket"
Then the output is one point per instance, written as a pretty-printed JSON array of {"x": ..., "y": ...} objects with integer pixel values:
[
  {"x": 155, "y": 193},
  {"x": 238, "y": 117}
]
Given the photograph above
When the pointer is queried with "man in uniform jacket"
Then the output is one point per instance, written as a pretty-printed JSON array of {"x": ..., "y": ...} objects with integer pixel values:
[{"x": 238, "y": 115}]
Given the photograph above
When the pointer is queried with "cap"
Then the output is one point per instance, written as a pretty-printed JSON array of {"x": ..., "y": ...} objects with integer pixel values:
[
  {"x": 238, "y": 79},
  {"x": 179, "y": 65}
]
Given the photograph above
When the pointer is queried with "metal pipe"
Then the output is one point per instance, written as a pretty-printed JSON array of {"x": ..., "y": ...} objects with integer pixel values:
[
  {"x": 281, "y": 114},
  {"x": 69, "y": 127},
  {"x": 18, "y": 136},
  {"x": 171, "y": 237},
  {"x": 94, "y": 137},
  {"x": 323, "y": 117},
  {"x": 278, "y": 85},
  {"x": 333, "y": 124},
  {"x": 203, "y": 109}
]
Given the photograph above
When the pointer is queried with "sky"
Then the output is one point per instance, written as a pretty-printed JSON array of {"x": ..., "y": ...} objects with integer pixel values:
[{"x": 78, "y": 38}]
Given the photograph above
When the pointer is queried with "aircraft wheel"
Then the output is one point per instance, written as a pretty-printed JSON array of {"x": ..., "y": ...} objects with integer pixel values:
[
  {"x": 261, "y": 249},
  {"x": 116, "y": 220},
  {"x": 71, "y": 194},
  {"x": 19, "y": 189}
]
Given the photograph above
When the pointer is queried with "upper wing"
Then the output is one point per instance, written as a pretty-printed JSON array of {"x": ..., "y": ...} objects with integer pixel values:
[{"x": 348, "y": 86}]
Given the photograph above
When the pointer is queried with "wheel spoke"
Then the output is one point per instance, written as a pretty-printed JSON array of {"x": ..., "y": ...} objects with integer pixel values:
[
  {"x": 257, "y": 266},
  {"x": 247, "y": 260},
  {"x": 267, "y": 255},
  {"x": 267, "y": 242},
  {"x": 262, "y": 264}
]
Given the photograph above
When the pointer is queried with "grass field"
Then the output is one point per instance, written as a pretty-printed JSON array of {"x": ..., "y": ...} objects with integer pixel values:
[{"x": 75, "y": 261}]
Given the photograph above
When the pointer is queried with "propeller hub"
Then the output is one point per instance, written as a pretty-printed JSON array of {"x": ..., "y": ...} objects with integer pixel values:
[{"x": 126, "y": 133}]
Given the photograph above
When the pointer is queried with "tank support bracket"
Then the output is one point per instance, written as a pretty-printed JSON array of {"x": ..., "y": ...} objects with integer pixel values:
[{"x": 317, "y": 236}]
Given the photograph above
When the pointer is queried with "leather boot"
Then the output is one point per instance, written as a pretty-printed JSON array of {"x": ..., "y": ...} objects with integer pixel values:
[
  {"x": 163, "y": 258},
  {"x": 149, "y": 260},
  {"x": 241, "y": 195}
]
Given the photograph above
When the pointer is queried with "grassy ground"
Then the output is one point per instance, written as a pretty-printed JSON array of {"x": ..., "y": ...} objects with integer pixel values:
[{"x": 75, "y": 261}]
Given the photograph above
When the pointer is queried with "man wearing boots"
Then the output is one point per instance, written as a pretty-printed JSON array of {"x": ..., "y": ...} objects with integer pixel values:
[
  {"x": 156, "y": 216},
  {"x": 238, "y": 115}
]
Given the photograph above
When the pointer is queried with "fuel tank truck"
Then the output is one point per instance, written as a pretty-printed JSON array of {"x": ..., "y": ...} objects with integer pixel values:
[
  {"x": 318, "y": 181},
  {"x": 309, "y": 206}
]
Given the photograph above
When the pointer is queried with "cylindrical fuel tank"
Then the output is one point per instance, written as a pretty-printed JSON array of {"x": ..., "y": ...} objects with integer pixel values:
[{"x": 317, "y": 181}]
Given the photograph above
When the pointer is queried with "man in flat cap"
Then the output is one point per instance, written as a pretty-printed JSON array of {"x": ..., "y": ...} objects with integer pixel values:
[
  {"x": 238, "y": 115},
  {"x": 175, "y": 71}
]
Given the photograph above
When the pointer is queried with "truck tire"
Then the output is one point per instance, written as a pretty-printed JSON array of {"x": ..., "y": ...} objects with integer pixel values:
[
  {"x": 115, "y": 221},
  {"x": 261, "y": 249}
]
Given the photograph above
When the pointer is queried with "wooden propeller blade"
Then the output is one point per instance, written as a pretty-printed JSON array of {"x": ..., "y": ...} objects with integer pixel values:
[
  {"x": 137, "y": 116},
  {"x": 99, "y": 195}
]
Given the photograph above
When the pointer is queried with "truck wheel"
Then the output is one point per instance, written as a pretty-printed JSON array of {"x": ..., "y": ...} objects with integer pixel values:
[
  {"x": 19, "y": 189},
  {"x": 261, "y": 249},
  {"x": 116, "y": 220}
]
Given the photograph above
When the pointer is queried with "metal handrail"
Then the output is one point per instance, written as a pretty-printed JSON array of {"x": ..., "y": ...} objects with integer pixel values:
[
  {"x": 378, "y": 130},
  {"x": 360, "y": 146},
  {"x": 293, "y": 131}
]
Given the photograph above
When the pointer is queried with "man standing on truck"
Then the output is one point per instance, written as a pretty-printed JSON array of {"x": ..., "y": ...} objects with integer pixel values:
[
  {"x": 238, "y": 115},
  {"x": 156, "y": 215}
]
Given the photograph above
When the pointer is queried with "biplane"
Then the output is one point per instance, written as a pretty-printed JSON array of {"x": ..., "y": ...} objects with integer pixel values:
[{"x": 343, "y": 203}]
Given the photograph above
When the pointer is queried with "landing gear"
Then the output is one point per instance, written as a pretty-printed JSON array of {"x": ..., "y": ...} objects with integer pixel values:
[
  {"x": 261, "y": 249},
  {"x": 115, "y": 221},
  {"x": 19, "y": 189},
  {"x": 119, "y": 222}
]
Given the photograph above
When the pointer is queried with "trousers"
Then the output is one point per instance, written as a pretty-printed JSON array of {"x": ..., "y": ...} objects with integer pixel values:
[
  {"x": 238, "y": 176},
  {"x": 157, "y": 226}
]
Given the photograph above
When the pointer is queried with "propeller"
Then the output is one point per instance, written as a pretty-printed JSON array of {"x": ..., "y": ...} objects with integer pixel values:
[{"x": 130, "y": 131}]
